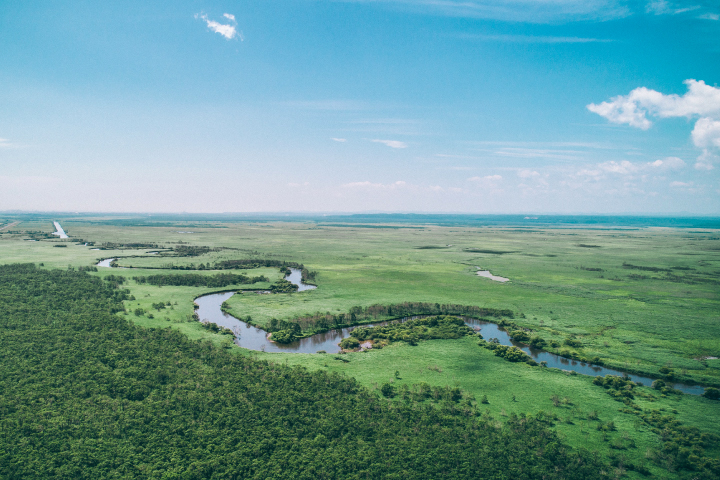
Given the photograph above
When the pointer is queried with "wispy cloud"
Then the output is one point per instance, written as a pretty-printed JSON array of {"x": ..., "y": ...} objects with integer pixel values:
[
  {"x": 536, "y": 11},
  {"x": 391, "y": 143},
  {"x": 341, "y": 140},
  {"x": 525, "y": 173},
  {"x": 487, "y": 178},
  {"x": 664, "y": 7},
  {"x": 4, "y": 143},
  {"x": 681, "y": 184},
  {"x": 328, "y": 104},
  {"x": 668, "y": 163},
  {"x": 530, "y": 38},
  {"x": 538, "y": 153},
  {"x": 376, "y": 186},
  {"x": 709, "y": 16},
  {"x": 228, "y": 31}
]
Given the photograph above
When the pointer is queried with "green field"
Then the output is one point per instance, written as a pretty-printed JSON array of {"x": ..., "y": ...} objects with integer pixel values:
[{"x": 639, "y": 299}]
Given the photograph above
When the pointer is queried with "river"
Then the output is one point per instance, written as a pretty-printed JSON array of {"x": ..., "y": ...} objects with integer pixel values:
[
  {"x": 254, "y": 338},
  {"x": 59, "y": 231}
]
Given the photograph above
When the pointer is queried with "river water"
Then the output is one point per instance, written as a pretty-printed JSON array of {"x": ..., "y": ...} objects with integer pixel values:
[
  {"x": 59, "y": 231},
  {"x": 254, "y": 338},
  {"x": 106, "y": 263}
]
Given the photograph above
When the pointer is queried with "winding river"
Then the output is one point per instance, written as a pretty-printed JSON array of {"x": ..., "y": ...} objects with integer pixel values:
[{"x": 254, "y": 338}]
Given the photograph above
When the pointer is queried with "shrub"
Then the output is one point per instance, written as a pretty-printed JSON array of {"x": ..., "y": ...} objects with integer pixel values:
[
  {"x": 519, "y": 336},
  {"x": 283, "y": 336},
  {"x": 387, "y": 390},
  {"x": 349, "y": 343},
  {"x": 572, "y": 343},
  {"x": 712, "y": 393},
  {"x": 658, "y": 384}
]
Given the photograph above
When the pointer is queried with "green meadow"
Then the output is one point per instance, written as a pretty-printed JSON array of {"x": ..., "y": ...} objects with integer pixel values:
[{"x": 638, "y": 299}]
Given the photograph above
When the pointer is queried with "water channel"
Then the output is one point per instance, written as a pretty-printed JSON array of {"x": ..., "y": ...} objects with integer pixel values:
[
  {"x": 59, "y": 231},
  {"x": 254, "y": 338}
]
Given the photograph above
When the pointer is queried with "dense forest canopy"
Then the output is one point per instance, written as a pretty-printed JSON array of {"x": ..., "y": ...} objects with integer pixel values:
[{"x": 86, "y": 394}]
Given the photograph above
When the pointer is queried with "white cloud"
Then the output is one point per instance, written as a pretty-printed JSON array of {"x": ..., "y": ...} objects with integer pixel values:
[
  {"x": 341, "y": 140},
  {"x": 668, "y": 163},
  {"x": 391, "y": 143},
  {"x": 706, "y": 133},
  {"x": 701, "y": 100},
  {"x": 226, "y": 30},
  {"x": 4, "y": 143},
  {"x": 706, "y": 159},
  {"x": 623, "y": 168},
  {"x": 681, "y": 184}
]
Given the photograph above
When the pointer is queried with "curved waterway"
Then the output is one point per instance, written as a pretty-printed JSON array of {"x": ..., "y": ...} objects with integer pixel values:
[
  {"x": 254, "y": 338},
  {"x": 491, "y": 330},
  {"x": 106, "y": 263}
]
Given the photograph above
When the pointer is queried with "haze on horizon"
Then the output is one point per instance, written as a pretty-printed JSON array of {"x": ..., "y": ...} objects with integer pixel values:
[{"x": 480, "y": 106}]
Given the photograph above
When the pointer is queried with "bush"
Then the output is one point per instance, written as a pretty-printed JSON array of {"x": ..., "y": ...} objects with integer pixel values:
[
  {"x": 512, "y": 354},
  {"x": 519, "y": 336},
  {"x": 712, "y": 393},
  {"x": 387, "y": 390},
  {"x": 349, "y": 343},
  {"x": 572, "y": 343},
  {"x": 283, "y": 336}
]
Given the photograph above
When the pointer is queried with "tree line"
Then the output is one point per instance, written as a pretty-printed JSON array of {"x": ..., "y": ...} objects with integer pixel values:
[
  {"x": 322, "y": 322},
  {"x": 197, "y": 280}
]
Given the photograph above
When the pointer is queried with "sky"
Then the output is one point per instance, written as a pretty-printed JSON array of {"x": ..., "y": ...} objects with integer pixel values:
[{"x": 466, "y": 106}]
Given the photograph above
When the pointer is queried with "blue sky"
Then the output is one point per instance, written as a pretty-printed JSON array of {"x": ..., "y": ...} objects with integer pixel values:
[{"x": 482, "y": 106}]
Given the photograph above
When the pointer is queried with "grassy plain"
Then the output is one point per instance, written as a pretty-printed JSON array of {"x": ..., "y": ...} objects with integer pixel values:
[{"x": 637, "y": 298}]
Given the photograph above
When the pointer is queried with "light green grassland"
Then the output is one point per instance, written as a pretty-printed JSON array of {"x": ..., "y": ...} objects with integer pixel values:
[{"x": 629, "y": 318}]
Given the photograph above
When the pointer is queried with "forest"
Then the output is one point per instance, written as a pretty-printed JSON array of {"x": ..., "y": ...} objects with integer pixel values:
[{"x": 85, "y": 393}]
